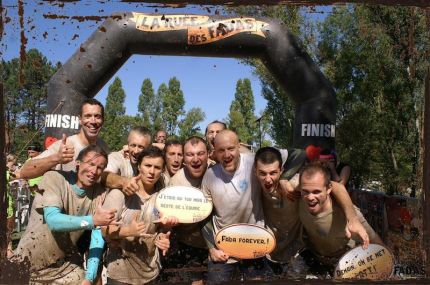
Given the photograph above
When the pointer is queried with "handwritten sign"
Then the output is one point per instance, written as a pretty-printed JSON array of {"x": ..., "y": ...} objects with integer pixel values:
[
  {"x": 188, "y": 204},
  {"x": 375, "y": 263},
  {"x": 245, "y": 241},
  {"x": 200, "y": 29}
]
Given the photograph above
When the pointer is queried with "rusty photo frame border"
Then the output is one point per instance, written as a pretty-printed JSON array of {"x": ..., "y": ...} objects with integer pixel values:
[{"x": 423, "y": 4}]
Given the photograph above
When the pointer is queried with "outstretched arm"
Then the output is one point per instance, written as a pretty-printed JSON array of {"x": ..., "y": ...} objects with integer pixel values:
[
  {"x": 354, "y": 225},
  {"x": 60, "y": 222},
  {"x": 37, "y": 167}
]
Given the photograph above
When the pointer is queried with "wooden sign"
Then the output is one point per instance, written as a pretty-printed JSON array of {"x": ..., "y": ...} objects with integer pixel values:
[
  {"x": 188, "y": 204},
  {"x": 375, "y": 263},
  {"x": 245, "y": 241}
]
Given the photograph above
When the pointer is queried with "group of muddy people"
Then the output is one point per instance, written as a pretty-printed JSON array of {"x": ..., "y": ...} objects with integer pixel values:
[{"x": 93, "y": 210}]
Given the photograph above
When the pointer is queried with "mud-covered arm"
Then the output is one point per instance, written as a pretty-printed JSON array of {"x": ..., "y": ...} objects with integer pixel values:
[
  {"x": 95, "y": 255},
  {"x": 60, "y": 222},
  {"x": 354, "y": 226}
]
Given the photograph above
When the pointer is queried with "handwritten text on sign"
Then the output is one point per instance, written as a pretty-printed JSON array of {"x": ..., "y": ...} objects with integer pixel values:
[
  {"x": 200, "y": 29},
  {"x": 188, "y": 204},
  {"x": 245, "y": 241},
  {"x": 376, "y": 262}
]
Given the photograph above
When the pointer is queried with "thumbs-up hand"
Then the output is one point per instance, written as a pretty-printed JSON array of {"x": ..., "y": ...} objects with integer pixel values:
[
  {"x": 104, "y": 217},
  {"x": 163, "y": 242},
  {"x": 65, "y": 153},
  {"x": 132, "y": 185},
  {"x": 125, "y": 151}
]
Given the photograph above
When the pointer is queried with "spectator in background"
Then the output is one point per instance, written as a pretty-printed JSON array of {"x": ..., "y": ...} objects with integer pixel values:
[
  {"x": 160, "y": 136},
  {"x": 10, "y": 170},
  {"x": 340, "y": 172},
  {"x": 174, "y": 156},
  {"x": 210, "y": 133},
  {"x": 33, "y": 150}
]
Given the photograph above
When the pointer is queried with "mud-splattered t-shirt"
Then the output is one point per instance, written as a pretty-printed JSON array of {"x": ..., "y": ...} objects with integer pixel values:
[
  {"x": 325, "y": 231},
  {"x": 120, "y": 165},
  {"x": 136, "y": 260},
  {"x": 43, "y": 247}
]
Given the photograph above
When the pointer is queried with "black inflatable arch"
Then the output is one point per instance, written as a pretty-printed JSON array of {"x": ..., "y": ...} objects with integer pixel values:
[{"x": 124, "y": 34}]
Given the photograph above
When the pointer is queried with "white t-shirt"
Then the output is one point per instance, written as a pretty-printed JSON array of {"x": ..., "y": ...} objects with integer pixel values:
[{"x": 236, "y": 197}]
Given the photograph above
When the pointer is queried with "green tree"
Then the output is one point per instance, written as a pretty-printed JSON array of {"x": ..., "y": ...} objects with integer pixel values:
[
  {"x": 173, "y": 105},
  {"x": 114, "y": 132},
  {"x": 280, "y": 109},
  {"x": 263, "y": 124},
  {"x": 188, "y": 126},
  {"x": 150, "y": 107},
  {"x": 241, "y": 117},
  {"x": 25, "y": 95},
  {"x": 161, "y": 93},
  {"x": 376, "y": 57},
  {"x": 156, "y": 115},
  {"x": 145, "y": 105}
]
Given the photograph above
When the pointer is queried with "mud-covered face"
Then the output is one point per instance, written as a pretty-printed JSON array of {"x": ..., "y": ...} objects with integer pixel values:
[
  {"x": 174, "y": 158},
  {"x": 150, "y": 170},
  {"x": 268, "y": 175},
  {"x": 91, "y": 120},
  {"x": 315, "y": 193},
  {"x": 90, "y": 169},
  {"x": 196, "y": 159},
  {"x": 227, "y": 151},
  {"x": 136, "y": 144}
]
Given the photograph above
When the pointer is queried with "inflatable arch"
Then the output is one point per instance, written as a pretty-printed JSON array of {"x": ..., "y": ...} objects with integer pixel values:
[{"x": 124, "y": 34}]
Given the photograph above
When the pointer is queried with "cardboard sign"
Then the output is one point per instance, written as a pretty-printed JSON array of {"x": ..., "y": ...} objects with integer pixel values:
[
  {"x": 245, "y": 241},
  {"x": 375, "y": 263},
  {"x": 188, "y": 204}
]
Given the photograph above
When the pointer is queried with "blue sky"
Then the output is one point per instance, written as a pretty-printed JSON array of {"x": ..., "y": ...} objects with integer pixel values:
[{"x": 208, "y": 83}]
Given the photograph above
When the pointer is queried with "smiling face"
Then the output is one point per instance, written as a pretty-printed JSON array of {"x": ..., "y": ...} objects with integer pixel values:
[
  {"x": 91, "y": 120},
  {"x": 151, "y": 168},
  {"x": 195, "y": 159},
  {"x": 227, "y": 150},
  {"x": 90, "y": 169},
  {"x": 315, "y": 193},
  {"x": 268, "y": 175},
  {"x": 174, "y": 158},
  {"x": 136, "y": 144}
]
